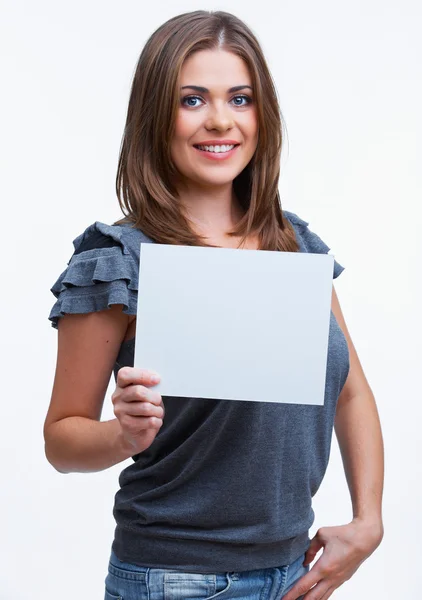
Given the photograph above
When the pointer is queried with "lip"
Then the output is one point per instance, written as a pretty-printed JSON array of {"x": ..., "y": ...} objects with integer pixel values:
[
  {"x": 217, "y": 156},
  {"x": 217, "y": 143}
]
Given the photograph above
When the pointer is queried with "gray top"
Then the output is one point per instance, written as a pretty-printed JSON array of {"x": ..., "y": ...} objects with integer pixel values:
[{"x": 225, "y": 486}]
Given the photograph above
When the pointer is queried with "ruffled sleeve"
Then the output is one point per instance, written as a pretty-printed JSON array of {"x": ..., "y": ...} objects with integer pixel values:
[
  {"x": 101, "y": 272},
  {"x": 309, "y": 241}
]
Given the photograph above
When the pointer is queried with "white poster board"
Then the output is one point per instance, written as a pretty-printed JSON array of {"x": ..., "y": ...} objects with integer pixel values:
[{"x": 234, "y": 324}]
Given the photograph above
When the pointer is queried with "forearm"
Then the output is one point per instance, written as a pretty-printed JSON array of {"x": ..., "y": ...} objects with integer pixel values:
[
  {"x": 81, "y": 445},
  {"x": 358, "y": 432}
]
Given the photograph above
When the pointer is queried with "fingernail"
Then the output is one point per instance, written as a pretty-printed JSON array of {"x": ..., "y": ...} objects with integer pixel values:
[{"x": 155, "y": 378}]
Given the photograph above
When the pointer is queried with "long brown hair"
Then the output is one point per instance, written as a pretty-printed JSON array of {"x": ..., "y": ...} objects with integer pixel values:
[{"x": 146, "y": 173}]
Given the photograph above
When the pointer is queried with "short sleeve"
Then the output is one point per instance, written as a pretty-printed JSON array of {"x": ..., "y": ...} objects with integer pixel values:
[
  {"x": 101, "y": 272},
  {"x": 309, "y": 241}
]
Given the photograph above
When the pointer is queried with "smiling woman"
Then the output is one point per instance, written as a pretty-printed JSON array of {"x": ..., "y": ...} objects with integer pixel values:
[
  {"x": 218, "y": 500},
  {"x": 205, "y": 156},
  {"x": 202, "y": 81}
]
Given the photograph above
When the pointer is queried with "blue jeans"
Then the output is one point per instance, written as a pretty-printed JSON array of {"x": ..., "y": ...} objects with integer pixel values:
[{"x": 126, "y": 581}]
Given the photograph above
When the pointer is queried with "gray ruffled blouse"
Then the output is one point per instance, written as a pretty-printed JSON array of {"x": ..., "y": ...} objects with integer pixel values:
[{"x": 226, "y": 485}]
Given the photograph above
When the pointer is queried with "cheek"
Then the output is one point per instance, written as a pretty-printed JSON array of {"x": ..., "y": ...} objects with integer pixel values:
[
  {"x": 185, "y": 127},
  {"x": 252, "y": 124},
  {"x": 248, "y": 124}
]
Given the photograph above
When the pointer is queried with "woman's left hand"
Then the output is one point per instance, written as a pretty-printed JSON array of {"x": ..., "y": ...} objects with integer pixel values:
[{"x": 345, "y": 548}]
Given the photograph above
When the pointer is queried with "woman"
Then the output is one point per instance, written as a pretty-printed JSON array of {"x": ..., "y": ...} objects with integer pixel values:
[{"x": 218, "y": 499}]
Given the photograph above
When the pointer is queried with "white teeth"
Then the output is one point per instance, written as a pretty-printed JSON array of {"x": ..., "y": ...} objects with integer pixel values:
[{"x": 223, "y": 148}]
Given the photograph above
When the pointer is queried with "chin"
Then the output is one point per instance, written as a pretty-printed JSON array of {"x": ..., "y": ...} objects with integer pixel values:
[
  {"x": 215, "y": 182},
  {"x": 224, "y": 176}
]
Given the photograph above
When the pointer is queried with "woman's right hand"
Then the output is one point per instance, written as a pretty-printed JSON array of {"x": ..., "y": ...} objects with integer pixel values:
[{"x": 140, "y": 410}]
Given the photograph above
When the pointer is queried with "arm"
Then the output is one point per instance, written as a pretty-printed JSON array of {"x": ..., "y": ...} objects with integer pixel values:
[
  {"x": 75, "y": 438},
  {"x": 358, "y": 432},
  {"x": 81, "y": 445}
]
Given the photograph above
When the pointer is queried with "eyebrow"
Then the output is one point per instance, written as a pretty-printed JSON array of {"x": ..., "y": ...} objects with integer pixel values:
[{"x": 204, "y": 90}]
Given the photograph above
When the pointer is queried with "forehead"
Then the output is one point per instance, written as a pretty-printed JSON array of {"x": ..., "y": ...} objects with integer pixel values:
[{"x": 215, "y": 68}]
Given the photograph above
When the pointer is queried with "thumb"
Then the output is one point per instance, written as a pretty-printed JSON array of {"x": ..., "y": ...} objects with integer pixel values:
[{"x": 315, "y": 546}]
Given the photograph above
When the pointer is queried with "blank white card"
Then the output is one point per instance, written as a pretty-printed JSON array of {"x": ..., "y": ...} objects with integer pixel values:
[{"x": 234, "y": 324}]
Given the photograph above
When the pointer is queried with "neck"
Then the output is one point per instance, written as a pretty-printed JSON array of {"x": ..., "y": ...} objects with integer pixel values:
[{"x": 212, "y": 211}]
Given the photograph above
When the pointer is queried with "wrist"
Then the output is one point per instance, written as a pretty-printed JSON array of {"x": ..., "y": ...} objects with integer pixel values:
[
  {"x": 371, "y": 524},
  {"x": 122, "y": 446}
]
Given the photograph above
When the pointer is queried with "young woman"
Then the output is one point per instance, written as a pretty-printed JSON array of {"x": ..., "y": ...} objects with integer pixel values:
[{"x": 218, "y": 499}]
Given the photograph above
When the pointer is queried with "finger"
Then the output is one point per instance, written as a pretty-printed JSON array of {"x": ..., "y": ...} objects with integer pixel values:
[
  {"x": 144, "y": 409},
  {"x": 314, "y": 547},
  {"x": 134, "y": 424},
  {"x": 303, "y": 585},
  {"x": 321, "y": 591},
  {"x": 140, "y": 393},
  {"x": 131, "y": 375}
]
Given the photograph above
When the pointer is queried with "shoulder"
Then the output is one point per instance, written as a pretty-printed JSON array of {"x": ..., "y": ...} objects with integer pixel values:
[
  {"x": 101, "y": 235},
  {"x": 294, "y": 219},
  {"x": 308, "y": 240},
  {"x": 103, "y": 270}
]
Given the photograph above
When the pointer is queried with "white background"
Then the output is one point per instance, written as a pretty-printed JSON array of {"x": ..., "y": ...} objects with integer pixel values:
[{"x": 349, "y": 82}]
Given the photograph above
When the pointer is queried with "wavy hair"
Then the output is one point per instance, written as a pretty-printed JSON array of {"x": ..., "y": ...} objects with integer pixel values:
[{"x": 146, "y": 174}]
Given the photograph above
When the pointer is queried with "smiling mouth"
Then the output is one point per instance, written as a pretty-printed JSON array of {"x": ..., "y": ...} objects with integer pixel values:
[{"x": 217, "y": 149}]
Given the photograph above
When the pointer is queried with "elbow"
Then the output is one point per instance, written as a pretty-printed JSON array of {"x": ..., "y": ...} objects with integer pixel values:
[
  {"x": 51, "y": 460},
  {"x": 49, "y": 452}
]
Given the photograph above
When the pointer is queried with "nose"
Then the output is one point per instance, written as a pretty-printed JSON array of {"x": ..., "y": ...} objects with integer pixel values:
[{"x": 220, "y": 118}]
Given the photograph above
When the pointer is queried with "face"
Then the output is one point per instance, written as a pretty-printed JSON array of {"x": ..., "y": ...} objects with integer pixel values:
[{"x": 214, "y": 115}]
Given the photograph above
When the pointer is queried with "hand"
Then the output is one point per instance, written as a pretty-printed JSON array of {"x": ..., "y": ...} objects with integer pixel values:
[
  {"x": 139, "y": 410},
  {"x": 345, "y": 548}
]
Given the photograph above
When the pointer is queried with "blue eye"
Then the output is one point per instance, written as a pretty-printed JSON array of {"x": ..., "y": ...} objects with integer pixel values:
[
  {"x": 241, "y": 96},
  {"x": 186, "y": 98}
]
